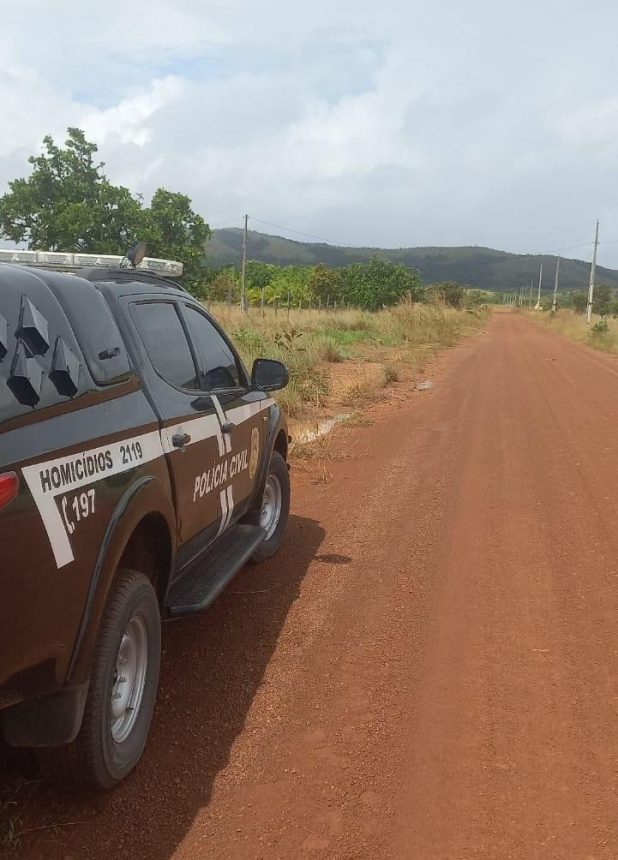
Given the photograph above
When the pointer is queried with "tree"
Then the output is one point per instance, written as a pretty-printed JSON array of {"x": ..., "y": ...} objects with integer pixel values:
[
  {"x": 292, "y": 281},
  {"x": 259, "y": 275},
  {"x": 172, "y": 230},
  {"x": 579, "y": 301},
  {"x": 67, "y": 203},
  {"x": 325, "y": 284},
  {"x": 448, "y": 293},
  {"x": 602, "y": 299},
  {"x": 379, "y": 283},
  {"x": 224, "y": 285},
  {"x": 473, "y": 298}
]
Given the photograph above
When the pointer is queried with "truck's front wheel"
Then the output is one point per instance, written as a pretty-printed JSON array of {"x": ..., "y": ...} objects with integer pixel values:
[
  {"x": 273, "y": 513},
  {"x": 123, "y": 687}
]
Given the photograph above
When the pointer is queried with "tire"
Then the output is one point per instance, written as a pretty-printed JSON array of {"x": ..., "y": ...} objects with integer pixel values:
[
  {"x": 109, "y": 744},
  {"x": 277, "y": 481}
]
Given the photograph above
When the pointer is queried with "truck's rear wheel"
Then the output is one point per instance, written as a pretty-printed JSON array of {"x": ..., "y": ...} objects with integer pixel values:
[{"x": 123, "y": 688}]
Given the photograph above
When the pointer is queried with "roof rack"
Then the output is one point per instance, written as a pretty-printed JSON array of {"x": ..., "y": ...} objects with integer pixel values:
[{"x": 67, "y": 262}]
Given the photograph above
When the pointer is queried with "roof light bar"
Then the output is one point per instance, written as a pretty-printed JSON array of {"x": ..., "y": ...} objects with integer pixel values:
[{"x": 68, "y": 261}]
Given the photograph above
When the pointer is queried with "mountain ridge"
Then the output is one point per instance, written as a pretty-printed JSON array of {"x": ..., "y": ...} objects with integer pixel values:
[{"x": 484, "y": 268}]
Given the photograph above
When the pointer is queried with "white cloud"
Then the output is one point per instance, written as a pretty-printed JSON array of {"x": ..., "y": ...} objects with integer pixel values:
[
  {"x": 128, "y": 122},
  {"x": 389, "y": 123}
]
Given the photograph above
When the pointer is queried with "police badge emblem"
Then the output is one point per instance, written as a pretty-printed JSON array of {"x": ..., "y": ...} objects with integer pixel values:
[{"x": 255, "y": 452}]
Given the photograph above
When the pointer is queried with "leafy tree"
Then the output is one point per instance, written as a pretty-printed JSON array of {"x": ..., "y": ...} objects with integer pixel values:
[
  {"x": 379, "y": 283},
  {"x": 447, "y": 293},
  {"x": 473, "y": 298},
  {"x": 292, "y": 280},
  {"x": 579, "y": 302},
  {"x": 224, "y": 285},
  {"x": 258, "y": 275},
  {"x": 67, "y": 204},
  {"x": 602, "y": 299},
  {"x": 326, "y": 284},
  {"x": 172, "y": 230}
]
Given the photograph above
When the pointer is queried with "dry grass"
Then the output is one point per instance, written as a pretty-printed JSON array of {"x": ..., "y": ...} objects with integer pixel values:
[
  {"x": 307, "y": 341},
  {"x": 357, "y": 419},
  {"x": 315, "y": 458},
  {"x": 600, "y": 334}
]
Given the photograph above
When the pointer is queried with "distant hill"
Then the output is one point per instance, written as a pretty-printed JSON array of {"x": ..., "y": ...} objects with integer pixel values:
[{"x": 480, "y": 267}]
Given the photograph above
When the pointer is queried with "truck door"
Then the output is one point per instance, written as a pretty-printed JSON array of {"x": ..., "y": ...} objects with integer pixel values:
[
  {"x": 191, "y": 429},
  {"x": 242, "y": 412}
]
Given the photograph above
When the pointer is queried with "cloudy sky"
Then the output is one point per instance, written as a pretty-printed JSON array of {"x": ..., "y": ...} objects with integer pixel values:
[{"x": 379, "y": 123}]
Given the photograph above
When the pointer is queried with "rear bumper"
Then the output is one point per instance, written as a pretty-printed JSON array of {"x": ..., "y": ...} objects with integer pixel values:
[{"x": 48, "y": 721}]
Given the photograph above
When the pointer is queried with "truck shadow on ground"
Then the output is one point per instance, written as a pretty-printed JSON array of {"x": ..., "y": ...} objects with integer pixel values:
[{"x": 213, "y": 665}]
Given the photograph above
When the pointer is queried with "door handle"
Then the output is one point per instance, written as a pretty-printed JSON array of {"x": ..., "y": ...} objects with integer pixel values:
[
  {"x": 228, "y": 426},
  {"x": 179, "y": 440}
]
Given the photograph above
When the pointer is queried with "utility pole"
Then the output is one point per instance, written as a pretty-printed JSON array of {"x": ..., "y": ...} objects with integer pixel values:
[
  {"x": 243, "y": 296},
  {"x": 592, "y": 271},
  {"x": 538, "y": 298},
  {"x": 555, "y": 299}
]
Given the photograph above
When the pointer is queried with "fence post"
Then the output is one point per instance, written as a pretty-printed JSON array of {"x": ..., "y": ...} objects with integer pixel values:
[
  {"x": 334, "y": 306},
  {"x": 289, "y": 297},
  {"x": 276, "y": 306},
  {"x": 327, "y": 302},
  {"x": 262, "y": 300},
  {"x": 300, "y": 304},
  {"x": 320, "y": 303}
]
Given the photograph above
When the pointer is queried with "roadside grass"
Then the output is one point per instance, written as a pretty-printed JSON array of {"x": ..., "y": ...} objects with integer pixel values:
[
  {"x": 308, "y": 341},
  {"x": 15, "y": 794},
  {"x": 601, "y": 334},
  {"x": 10, "y": 826}
]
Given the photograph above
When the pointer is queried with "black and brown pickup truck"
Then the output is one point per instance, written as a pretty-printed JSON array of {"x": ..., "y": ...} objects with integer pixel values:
[{"x": 141, "y": 467}]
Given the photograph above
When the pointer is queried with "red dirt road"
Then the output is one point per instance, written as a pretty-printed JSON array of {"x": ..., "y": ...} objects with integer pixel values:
[{"x": 430, "y": 667}]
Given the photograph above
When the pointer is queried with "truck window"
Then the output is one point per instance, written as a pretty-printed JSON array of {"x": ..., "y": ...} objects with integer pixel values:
[
  {"x": 166, "y": 343},
  {"x": 95, "y": 326},
  {"x": 40, "y": 361},
  {"x": 218, "y": 367}
]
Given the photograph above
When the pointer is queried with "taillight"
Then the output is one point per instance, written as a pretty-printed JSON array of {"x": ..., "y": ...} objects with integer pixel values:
[{"x": 9, "y": 487}]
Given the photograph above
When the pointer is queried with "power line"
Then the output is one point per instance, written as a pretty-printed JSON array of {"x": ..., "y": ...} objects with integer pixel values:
[
  {"x": 342, "y": 244},
  {"x": 567, "y": 248},
  {"x": 297, "y": 232}
]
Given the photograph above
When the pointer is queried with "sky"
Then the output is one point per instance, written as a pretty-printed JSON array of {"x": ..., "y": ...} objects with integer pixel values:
[{"x": 392, "y": 123}]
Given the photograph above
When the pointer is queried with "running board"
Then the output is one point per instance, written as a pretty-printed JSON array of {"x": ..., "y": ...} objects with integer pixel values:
[{"x": 200, "y": 586}]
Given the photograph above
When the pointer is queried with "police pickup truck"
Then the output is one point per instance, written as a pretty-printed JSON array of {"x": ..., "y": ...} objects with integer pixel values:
[{"x": 140, "y": 468}]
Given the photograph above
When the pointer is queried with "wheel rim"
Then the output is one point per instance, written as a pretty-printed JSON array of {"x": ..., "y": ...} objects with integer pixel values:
[
  {"x": 271, "y": 506},
  {"x": 129, "y": 679}
]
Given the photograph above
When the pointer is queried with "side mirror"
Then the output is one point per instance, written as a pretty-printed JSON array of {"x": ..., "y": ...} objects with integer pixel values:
[{"x": 269, "y": 375}]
